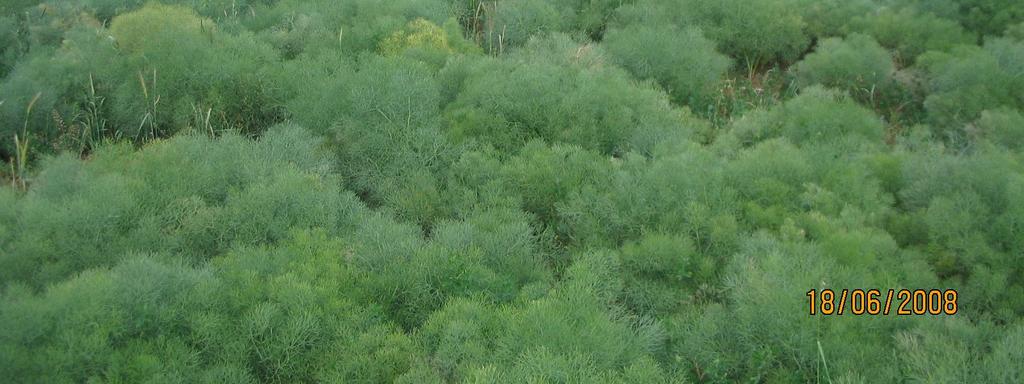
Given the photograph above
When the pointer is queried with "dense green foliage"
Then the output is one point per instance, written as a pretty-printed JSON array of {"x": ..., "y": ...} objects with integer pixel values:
[
  {"x": 684, "y": 62},
  {"x": 909, "y": 33},
  {"x": 430, "y": 191},
  {"x": 852, "y": 64}
]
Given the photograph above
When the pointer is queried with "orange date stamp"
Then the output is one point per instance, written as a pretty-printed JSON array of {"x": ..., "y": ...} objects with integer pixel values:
[{"x": 903, "y": 302}]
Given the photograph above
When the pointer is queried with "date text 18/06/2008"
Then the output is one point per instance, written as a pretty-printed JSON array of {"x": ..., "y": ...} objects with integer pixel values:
[{"x": 902, "y": 302}]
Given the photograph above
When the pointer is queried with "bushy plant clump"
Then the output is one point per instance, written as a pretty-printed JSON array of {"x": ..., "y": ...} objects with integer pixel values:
[
  {"x": 155, "y": 72},
  {"x": 434, "y": 191},
  {"x": 427, "y": 41},
  {"x": 9, "y": 30},
  {"x": 559, "y": 90},
  {"x": 817, "y": 115},
  {"x": 121, "y": 201},
  {"x": 298, "y": 26},
  {"x": 910, "y": 33},
  {"x": 753, "y": 32},
  {"x": 184, "y": 67},
  {"x": 831, "y": 18},
  {"x": 682, "y": 61},
  {"x": 986, "y": 17},
  {"x": 969, "y": 80},
  {"x": 854, "y": 64},
  {"x": 1001, "y": 127}
]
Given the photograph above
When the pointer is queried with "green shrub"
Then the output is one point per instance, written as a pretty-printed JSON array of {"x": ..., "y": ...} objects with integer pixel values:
[
  {"x": 682, "y": 61},
  {"x": 190, "y": 195},
  {"x": 989, "y": 18},
  {"x": 545, "y": 176},
  {"x": 769, "y": 175},
  {"x": 461, "y": 337},
  {"x": 490, "y": 256},
  {"x": 527, "y": 342},
  {"x": 1003, "y": 127},
  {"x": 219, "y": 10},
  {"x": 592, "y": 16},
  {"x": 181, "y": 69},
  {"x": 14, "y": 6},
  {"x": 970, "y": 80},
  {"x": 388, "y": 139},
  {"x": 45, "y": 25},
  {"x": 381, "y": 118},
  {"x": 319, "y": 27},
  {"x": 158, "y": 70},
  {"x": 134, "y": 31},
  {"x": 428, "y": 42},
  {"x": 513, "y": 22},
  {"x": 817, "y": 115},
  {"x": 273, "y": 315},
  {"x": 141, "y": 296},
  {"x": 11, "y": 43},
  {"x": 964, "y": 345},
  {"x": 659, "y": 273},
  {"x": 856, "y": 64},
  {"x": 684, "y": 192},
  {"x": 46, "y": 97},
  {"x": 910, "y": 33},
  {"x": 547, "y": 323},
  {"x": 1015, "y": 32},
  {"x": 755, "y": 33},
  {"x": 506, "y": 240},
  {"x": 963, "y": 204},
  {"x": 515, "y": 18},
  {"x": 558, "y": 91},
  {"x": 780, "y": 341},
  {"x": 831, "y": 18},
  {"x": 985, "y": 17}
]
